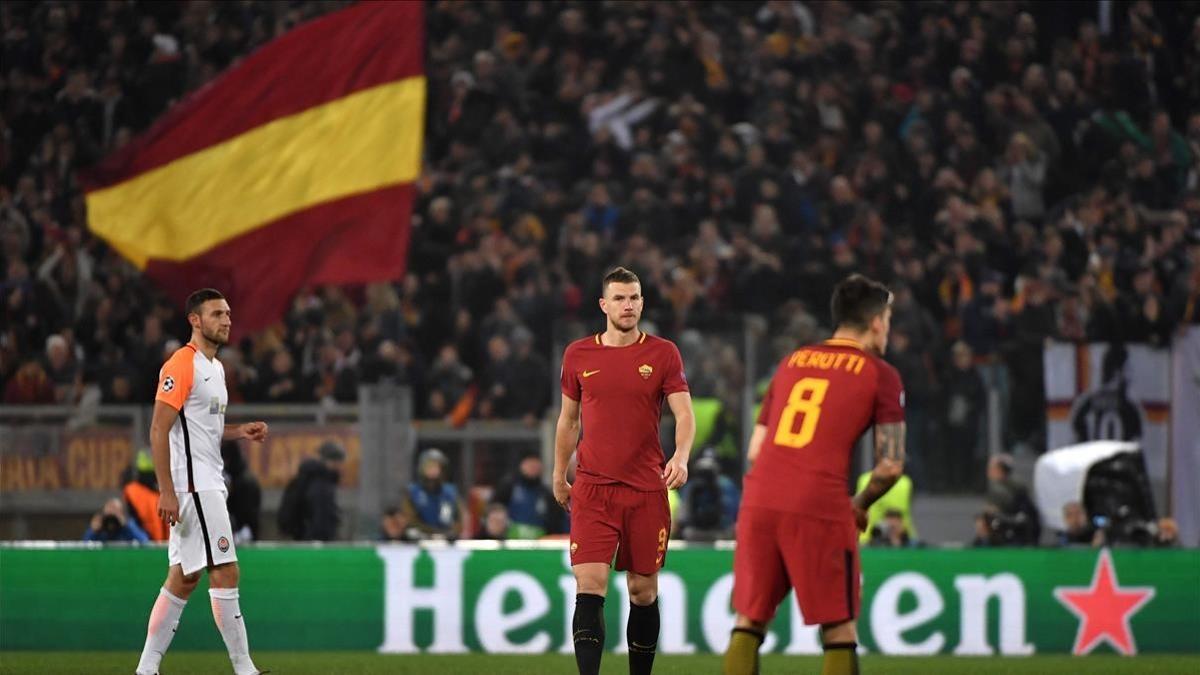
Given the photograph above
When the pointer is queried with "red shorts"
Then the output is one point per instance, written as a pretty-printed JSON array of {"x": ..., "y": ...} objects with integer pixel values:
[
  {"x": 608, "y": 519},
  {"x": 777, "y": 551}
]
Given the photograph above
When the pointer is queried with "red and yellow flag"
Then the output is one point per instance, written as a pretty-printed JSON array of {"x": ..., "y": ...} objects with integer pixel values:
[{"x": 295, "y": 167}]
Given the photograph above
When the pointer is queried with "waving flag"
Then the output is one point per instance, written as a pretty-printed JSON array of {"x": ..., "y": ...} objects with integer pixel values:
[{"x": 295, "y": 167}]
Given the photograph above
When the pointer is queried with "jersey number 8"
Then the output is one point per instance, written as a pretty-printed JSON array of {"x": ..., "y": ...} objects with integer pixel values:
[{"x": 805, "y": 399}]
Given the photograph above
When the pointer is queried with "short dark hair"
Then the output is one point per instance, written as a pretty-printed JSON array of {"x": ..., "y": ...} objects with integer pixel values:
[
  {"x": 331, "y": 451},
  {"x": 1005, "y": 462},
  {"x": 200, "y": 297},
  {"x": 618, "y": 275},
  {"x": 857, "y": 300}
]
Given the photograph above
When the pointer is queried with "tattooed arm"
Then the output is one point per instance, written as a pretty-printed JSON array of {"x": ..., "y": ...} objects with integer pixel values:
[{"x": 889, "y": 465}]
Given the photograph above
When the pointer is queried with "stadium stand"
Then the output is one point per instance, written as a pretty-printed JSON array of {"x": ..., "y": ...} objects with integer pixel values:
[{"x": 1016, "y": 172}]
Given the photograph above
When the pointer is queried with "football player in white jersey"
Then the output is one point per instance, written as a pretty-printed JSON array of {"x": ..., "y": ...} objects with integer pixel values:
[{"x": 185, "y": 438}]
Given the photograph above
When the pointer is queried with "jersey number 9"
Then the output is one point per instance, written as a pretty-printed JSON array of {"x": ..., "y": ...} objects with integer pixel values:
[{"x": 805, "y": 399}]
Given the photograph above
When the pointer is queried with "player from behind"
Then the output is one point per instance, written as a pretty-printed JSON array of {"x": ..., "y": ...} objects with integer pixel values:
[
  {"x": 613, "y": 385},
  {"x": 797, "y": 527},
  {"x": 185, "y": 437}
]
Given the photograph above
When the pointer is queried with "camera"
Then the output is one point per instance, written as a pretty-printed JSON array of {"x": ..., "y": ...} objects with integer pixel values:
[
  {"x": 1127, "y": 527},
  {"x": 110, "y": 525},
  {"x": 1117, "y": 493},
  {"x": 1010, "y": 529}
]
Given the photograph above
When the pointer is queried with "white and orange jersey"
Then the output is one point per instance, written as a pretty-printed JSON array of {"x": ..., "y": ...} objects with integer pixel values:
[{"x": 195, "y": 386}]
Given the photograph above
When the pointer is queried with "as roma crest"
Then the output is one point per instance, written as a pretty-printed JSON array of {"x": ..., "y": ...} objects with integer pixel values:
[{"x": 645, "y": 371}]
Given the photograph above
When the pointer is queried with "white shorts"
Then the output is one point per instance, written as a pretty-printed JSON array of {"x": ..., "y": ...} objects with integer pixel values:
[{"x": 203, "y": 537}]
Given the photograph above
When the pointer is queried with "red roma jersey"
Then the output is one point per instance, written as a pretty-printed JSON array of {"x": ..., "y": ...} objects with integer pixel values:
[
  {"x": 621, "y": 392},
  {"x": 821, "y": 400}
]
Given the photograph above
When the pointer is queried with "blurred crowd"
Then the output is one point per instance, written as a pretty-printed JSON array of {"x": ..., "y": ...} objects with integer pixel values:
[
  {"x": 1016, "y": 172},
  {"x": 521, "y": 506}
]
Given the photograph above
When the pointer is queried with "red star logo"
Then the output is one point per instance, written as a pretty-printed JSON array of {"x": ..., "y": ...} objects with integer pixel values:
[{"x": 1104, "y": 608}]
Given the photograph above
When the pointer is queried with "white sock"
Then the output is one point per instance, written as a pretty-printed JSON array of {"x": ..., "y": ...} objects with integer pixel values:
[
  {"x": 228, "y": 615},
  {"x": 164, "y": 619}
]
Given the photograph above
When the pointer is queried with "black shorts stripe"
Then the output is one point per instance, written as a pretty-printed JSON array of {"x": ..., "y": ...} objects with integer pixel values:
[
  {"x": 187, "y": 451},
  {"x": 203, "y": 528},
  {"x": 849, "y": 583}
]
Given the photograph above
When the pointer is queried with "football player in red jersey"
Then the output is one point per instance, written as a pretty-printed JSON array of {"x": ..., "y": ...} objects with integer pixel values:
[
  {"x": 797, "y": 527},
  {"x": 613, "y": 387}
]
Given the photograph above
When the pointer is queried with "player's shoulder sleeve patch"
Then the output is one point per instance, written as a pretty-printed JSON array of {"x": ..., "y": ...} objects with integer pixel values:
[
  {"x": 175, "y": 378},
  {"x": 675, "y": 378}
]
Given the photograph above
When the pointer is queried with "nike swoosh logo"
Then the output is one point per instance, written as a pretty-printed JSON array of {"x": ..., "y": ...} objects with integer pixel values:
[
  {"x": 238, "y": 616},
  {"x": 208, "y": 378},
  {"x": 589, "y": 373}
]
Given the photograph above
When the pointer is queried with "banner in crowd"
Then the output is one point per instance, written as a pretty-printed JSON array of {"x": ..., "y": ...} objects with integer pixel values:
[
  {"x": 43, "y": 457},
  {"x": 275, "y": 461},
  {"x": 1110, "y": 392},
  {"x": 1185, "y": 436},
  {"x": 46, "y": 458},
  {"x": 405, "y": 599},
  {"x": 295, "y": 167}
]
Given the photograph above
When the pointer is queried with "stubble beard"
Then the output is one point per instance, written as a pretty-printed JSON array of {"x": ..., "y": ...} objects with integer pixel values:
[
  {"x": 214, "y": 338},
  {"x": 618, "y": 324}
]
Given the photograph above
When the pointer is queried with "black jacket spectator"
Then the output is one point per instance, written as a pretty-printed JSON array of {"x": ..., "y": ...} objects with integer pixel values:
[
  {"x": 529, "y": 503},
  {"x": 321, "y": 516}
]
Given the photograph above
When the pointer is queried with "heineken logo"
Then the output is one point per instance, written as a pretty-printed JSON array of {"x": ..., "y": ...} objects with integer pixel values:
[
  {"x": 1104, "y": 608},
  {"x": 520, "y": 598},
  {"x": 529, "y": 610}
]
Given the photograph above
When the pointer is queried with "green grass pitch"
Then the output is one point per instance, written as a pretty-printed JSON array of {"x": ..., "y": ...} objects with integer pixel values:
[{"x": 352, "y": 663}]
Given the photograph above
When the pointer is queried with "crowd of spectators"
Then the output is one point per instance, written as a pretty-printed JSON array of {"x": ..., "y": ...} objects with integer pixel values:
[{"x": 1015, "y": 171}]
